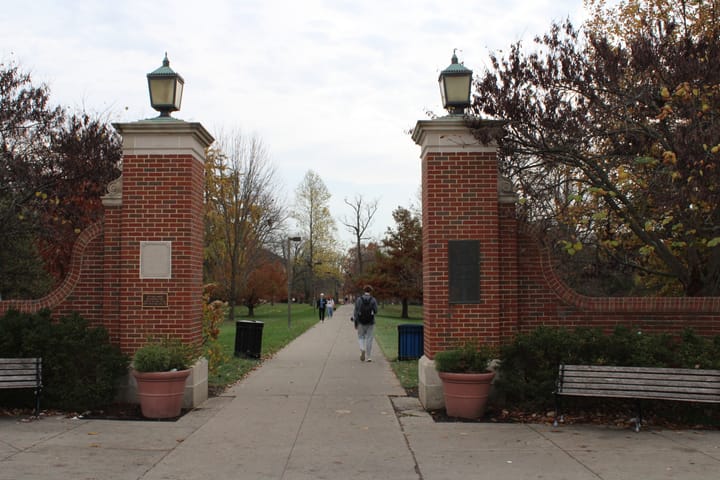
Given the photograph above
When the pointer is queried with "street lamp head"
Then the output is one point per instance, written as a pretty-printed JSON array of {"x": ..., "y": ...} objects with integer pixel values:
[
  {"x": 455, "y": 82},
  {"x": 166, "y": 89},
  {"x": 294, "y": 239}
]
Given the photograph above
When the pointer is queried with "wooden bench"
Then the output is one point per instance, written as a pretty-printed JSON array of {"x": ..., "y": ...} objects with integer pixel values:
[
  {"x": 22, "y": 373},
  {"x": 638, "y": 383}
]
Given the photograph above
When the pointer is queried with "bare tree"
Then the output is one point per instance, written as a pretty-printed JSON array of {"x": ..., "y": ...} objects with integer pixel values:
[
  {"x": 362, "y": 216},
  {"x": 244, "y": 210}
]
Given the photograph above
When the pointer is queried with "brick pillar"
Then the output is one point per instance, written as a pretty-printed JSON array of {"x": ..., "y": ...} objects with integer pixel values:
[
  {"x": 460, "y": 214},
  {"x": 158, "y": 256}
]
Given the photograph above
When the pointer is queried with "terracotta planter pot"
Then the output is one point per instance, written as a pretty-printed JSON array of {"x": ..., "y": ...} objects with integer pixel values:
[
  {"x": 466, "y": 393},
  {"x": 161, "y": 393}
]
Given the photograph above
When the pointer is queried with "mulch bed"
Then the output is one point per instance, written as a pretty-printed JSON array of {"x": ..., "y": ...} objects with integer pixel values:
[
  {"x": 612, "y": 415},
  {"x": 114, "y": 411},
  {"x": 669, "y": 415}
]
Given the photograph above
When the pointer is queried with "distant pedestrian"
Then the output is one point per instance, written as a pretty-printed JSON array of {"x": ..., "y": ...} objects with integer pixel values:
[
  {"x": 329, "y": 307},
  {"x": 364, "y": 318},
  {"x": 321, "y": 306}
]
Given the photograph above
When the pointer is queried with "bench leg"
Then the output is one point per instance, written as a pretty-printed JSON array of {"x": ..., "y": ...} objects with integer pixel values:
[
  {"x": 37, "y": 402},
  {"x": 638, "y": 418},
  {"x": 558, "y": 416}
]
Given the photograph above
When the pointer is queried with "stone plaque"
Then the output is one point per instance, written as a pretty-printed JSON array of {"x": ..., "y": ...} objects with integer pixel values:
[
  {"x": 155, "y": 260},
  {"x": 155, "y": 299},
  {"x": 464, "y": 271}
]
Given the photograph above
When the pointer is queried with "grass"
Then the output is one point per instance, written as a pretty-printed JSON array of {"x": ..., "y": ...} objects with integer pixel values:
[
  {"x": 386, "y": 335},
  {"x": 275, "y": 335}
]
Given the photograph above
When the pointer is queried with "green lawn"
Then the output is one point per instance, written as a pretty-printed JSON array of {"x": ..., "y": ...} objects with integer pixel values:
[
  {"x": 386, "y": 335},
  {"x": 276, "y": 335}
]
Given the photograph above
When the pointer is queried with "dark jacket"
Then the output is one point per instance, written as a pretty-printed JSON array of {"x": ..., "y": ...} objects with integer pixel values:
[{"x": 373, "y": 305}]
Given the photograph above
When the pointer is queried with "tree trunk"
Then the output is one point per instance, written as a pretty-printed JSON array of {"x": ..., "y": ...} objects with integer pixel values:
[{"x": 231, "y": 306}]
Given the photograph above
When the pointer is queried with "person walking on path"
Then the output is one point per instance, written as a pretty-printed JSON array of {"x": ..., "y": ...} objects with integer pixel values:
[
  {"x": 321, "y": 305},
  {"x": 330, "y": 307},
  {"x": 364, "y": 318}
]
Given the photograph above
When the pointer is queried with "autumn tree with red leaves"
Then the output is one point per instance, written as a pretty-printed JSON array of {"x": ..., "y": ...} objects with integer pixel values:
[
  {"x": 397, "y": 270},
  {"x": 54, "y": 167}
]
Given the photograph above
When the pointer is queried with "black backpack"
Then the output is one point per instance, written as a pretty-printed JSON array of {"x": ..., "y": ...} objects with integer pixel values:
[{"x": 365, "y": 316}]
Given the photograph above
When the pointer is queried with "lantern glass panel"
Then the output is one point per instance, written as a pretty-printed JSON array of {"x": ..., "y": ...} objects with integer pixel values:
[
  {"x": 457, "y": 90},
  {"x": 162, "y": 91},
  {"x": 178, "y": 94}
]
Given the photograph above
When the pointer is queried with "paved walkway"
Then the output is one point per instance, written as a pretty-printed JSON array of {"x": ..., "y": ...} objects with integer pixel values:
[{"x": 315, "y": 411}]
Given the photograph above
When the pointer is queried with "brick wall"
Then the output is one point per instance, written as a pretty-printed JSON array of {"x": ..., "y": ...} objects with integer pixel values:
[
  {"x": 544, "y": 299},
  {"x": 158, "y": 198},
  {"x": 463, "y": 198},
  {"x": 81, "y": 290}
]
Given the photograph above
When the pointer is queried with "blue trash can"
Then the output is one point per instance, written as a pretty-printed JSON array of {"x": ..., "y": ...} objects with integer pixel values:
[{"x": 410, "y": 341}]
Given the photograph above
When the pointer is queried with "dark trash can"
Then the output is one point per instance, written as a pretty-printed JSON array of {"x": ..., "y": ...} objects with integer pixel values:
[
  {"x": 410, "y": 341},
  {"x": 248, "y": 338}
]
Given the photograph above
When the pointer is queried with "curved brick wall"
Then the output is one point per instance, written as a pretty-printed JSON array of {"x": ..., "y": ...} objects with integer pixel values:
[
  {"x": 81, "y": 290},
  {"x": 544, "y": 299}
]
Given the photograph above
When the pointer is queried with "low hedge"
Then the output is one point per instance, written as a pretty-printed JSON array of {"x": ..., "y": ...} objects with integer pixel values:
[
  {"x": 529, "y": 365},
  {"x": 81, "y": 368}
]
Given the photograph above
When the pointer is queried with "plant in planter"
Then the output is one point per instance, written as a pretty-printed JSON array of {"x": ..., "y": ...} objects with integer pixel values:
[
  {"x": 466, "y": 379},
  {"x": 160, "y": 369}
]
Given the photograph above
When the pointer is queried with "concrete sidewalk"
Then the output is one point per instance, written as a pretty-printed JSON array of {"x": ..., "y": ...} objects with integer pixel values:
[{"x": 314, "y": 411}]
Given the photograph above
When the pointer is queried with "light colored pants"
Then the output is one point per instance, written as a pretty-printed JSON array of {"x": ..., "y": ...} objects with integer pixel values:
[{"x": 365, "y": 338}]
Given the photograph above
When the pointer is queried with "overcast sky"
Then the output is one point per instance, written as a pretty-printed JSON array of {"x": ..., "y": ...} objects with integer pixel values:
[{"x": 331, "y": 86}]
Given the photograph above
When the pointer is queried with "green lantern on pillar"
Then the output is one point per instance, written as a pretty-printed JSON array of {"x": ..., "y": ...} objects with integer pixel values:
[
  {"x": 455, "y": 82},
  {"x": 166, "y": 89}
]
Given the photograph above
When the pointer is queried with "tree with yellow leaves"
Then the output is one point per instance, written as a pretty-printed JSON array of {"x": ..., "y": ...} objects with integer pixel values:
[
  {"x": 613, "y": 141},
  {"x": 242, "y": 218}
]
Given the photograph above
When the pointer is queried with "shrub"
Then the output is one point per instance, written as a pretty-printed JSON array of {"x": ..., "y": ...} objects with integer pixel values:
[
  {"x": 151, "y": 358},
  {"x": 81, "y": 368},
  {"x": 163, "y": 356},
  {"x": 695, "y": 351},
  {"x": 528, "y": 368},
  {"x": 22, "y": 333},
  {"x": 628, "y": 346},
  {"x": 470, "y": 358},
  {"x": 214, "y": 313}
]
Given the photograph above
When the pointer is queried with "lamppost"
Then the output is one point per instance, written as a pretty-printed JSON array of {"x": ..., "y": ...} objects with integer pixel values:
[
  {"x": 166, "y": 89},
  {"x": 313, "y": 300},
  {"x": 455, "y": 82},
  {"x": 289, "y": 275}
]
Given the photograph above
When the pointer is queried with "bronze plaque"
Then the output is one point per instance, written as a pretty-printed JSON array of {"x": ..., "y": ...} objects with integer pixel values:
[
  {"x": 464, "y": 271},
  {"x": 155, "y": 299}
]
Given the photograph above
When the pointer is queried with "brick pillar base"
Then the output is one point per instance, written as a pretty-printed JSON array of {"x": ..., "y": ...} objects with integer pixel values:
[{"x": 430, "y": 391}]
